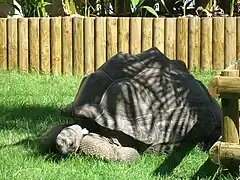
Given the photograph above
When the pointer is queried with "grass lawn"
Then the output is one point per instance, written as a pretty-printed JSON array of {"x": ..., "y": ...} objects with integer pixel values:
[{"x": 30, "y": 103}]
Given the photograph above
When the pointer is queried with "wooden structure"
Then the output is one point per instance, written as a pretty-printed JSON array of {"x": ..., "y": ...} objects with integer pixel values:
[
  {"x": 79, "y": 45},
  {"x": 227, "y": 87}
]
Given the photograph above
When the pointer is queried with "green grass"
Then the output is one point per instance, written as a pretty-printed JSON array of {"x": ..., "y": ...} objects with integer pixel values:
[{"x": 30, "y": 103}]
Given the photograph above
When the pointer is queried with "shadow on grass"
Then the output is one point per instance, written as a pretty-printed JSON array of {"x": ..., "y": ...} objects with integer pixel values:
[
  {"x": 206, "y": 171},
  {"x": 34, "y": 121},
  {"x": 29, "y": 118}
]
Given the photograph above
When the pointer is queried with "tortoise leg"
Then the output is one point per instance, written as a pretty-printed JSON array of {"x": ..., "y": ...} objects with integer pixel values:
[{"x": 99, "y": 146}]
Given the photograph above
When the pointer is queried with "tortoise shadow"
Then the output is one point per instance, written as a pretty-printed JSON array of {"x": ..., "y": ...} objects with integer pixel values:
[
  {"x": 208, "y": 169},
  {"x": 32, "y": 120}
]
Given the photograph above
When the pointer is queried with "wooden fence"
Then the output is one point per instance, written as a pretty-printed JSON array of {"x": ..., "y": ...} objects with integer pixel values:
[{"x": 80, "y": 45}]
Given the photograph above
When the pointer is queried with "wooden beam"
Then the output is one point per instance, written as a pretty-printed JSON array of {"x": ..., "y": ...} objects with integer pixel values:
[
  {"x": 228, "y": 84},
  {"x": 222, "y": 151}
]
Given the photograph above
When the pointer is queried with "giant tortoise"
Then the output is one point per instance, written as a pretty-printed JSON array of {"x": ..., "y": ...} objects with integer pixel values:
[{"x": 146, "y": 102}]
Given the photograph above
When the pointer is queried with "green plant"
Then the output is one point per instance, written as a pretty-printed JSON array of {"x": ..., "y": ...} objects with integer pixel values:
[
  {"x": 232, "y": 3},
  {"x": 138, "y": 7},
  {"x": 183, "y": 5},
  {"x": 34, "y": 8}
]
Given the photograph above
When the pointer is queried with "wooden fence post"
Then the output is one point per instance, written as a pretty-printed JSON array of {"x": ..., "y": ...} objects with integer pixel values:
[
  {"x": 159, "y": 33},
  {"x": 194, "y": 43},
  {"x": 67, "y": 45},
  {"x": 170, "y": 38},
  {"x": 135, "y": 35},
  {"x": 3, "y": 44},
  {"x": 230, "y": 122},
  {"x": 147, "y": 32},
  {"x": 45, "y": 45},
  {"x": 230, "y": 40},
  {"x": 12, "y": 40},
  {"x": 218, "y": 43},
  {"x": 206, "y": 43},
  {"x": 56, "y": 45},
  {"x": 123, "y": 34},
  {"x": 34, "y": 56},
  {"x": 78, "y": 46},
  {"x": 89, "y": 45},
  {"x": 182, "y": 40},
  {"x": 111, "y": 37},
  {"x": 101, "y": 42}
]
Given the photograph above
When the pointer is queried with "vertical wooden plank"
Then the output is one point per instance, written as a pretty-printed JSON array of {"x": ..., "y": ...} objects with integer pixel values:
[
  {"x": 3, "y": 44},
  {"x": 206, "y": 43},
  {"x": 23, "y": 43},
  {"x": 56, "y": 58},
  {"x": 238, "y": 38},
  {"x": 89, "y": 45},
  {"x": 123, "y": 34},
  {"x": 230, "y": 121},
  {"x": 135, "y": 35},
  {"x": 158, "y": 33},
  {"x": 78, "y": 46},
  {"x": 194, "y": 43},
  {"x": 147, "y": 25},
  {"x": 34, "y": 56},
  {"x": 182, "y": 40},
  {"x": 45, "y": 45},
  {"x": 100, "y": 44},
  {"x": 111, "y": 37},
  {"x": 230, "y": 40},
  {"x": 12, "y": 43},
  {"x": 67, "y": 45},
  {"x": 170, "y": 38},
  {"x": 218, "y": 43}
]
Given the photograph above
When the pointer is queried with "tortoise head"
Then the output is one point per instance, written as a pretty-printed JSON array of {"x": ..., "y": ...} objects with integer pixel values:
[{"x": 68, "y": 140}]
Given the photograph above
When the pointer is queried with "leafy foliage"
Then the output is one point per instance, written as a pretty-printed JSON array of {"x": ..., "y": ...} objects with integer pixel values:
[
  {"x": 34, "y": 8},
  {"x": 153, "y": 8}
]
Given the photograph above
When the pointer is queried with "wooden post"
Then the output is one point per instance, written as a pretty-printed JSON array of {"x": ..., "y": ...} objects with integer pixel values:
[
  {"x": 218, "y": 43},
  {"x": 67, "y": 45},
  {"x": 101, "y": 41},
  {"x": 170, "y": 38},
  {"x": 123, "y": 35},
  {"x": 230, "y": 40},
  {"x": 3, "y": 44},
  {"x": 238, "y": 38},
  {"x": 23, "y": 43},
  {"x": 135, "y": 35},
  {"x": 12, "y": 40},
  {"x": 89, "y": 45},
  {"x": 45, "y": 45},
  {"x": 111, "y": 37},
  {"x": 159, "y": 33},
  {"x": 147, "y": 33},
  {"x": 194, "y": 43},
  {"x": 78, "y": 46},
  {"x": 182, "y": 40},
  {"x": 230, "y": 120},
  {"x": 206, "y": 43},
  {"x": 56, "y": 45},
  {"x": 34, "y": 56},
  {"x": 221, "y": 151},
  {"x": 230, "y": 124}
]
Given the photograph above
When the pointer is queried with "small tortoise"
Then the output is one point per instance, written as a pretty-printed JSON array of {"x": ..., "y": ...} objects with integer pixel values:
[
  {"x": 147, "y": 102},
  {"x": 69, "y": 139}
]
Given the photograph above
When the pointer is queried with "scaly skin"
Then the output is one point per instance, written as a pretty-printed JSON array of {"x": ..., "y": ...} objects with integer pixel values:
[
  {"x": 74, "y": 138},
  {"x": 99, "y": 146}
]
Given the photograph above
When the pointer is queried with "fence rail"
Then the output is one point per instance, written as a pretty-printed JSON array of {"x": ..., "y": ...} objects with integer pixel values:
[{"x": 77, "y": 45}]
